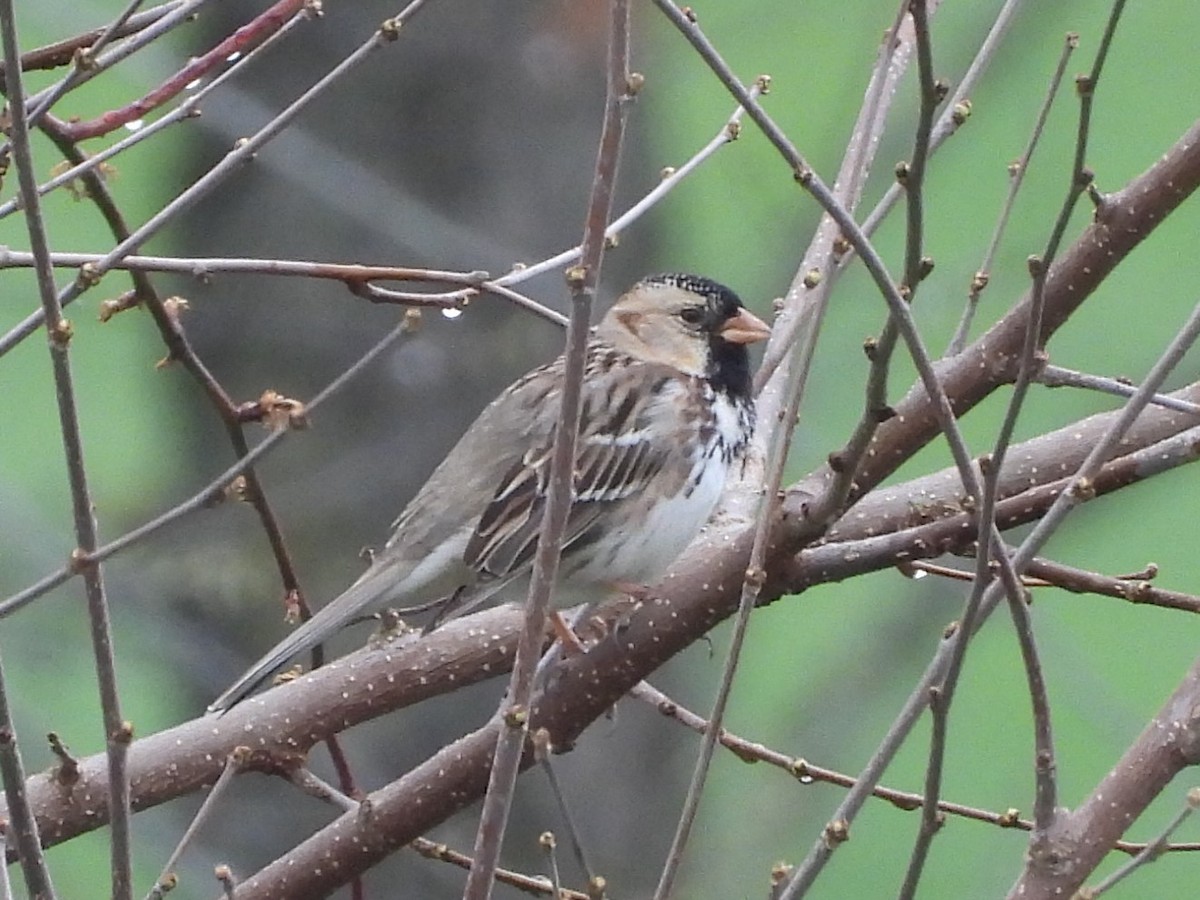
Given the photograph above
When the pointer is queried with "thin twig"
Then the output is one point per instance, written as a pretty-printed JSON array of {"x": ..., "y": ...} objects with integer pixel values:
[
  {"x": 812, "y": 183},
  {"x": 530, "y": 884},
  {"x": 96, "y": 63},
  {"x": 260, "y": 29},
  {"x": 1016, "y": 171},
  {"x": 21, "y": 828},
  {"x": 897, "y": 307},
  {"x": 806, "y": 772},
  {"x": 990, "y": 546},
  {"x": 168, "y": 321},
  {"x": 233, "y": 765},
  {"x": 1079, "y": 490},
  {"x": 894, "y": 57},
  {"x": 1154, "y": 849},
  {"x": 957, "y": 106},
  {"x": 543, "y": 752},
  {"x": 312, "y": 784},
  {"x": 549, "y": 845},
  {"x": 118, "y": 733},
  {"x": 1057, "y": 376},
  {"x": 1042, "y": 573},
  {"x": 911, "y": 176},
  {"x": 851, "y": 178},
  {"x": 61, "y": 53},
  {"x": 1134, "y": 590},
  {"x": 582, "y": 279},
  {"x": 728, "y": 133},
  {"x": 201, "y": 268},
  {"x": 1045, "y": 803}
]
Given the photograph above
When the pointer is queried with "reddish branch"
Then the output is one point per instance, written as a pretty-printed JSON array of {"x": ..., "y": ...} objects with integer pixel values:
[
  {"x": 245, "y": 38},
  {"x": 63, "y": 52}
]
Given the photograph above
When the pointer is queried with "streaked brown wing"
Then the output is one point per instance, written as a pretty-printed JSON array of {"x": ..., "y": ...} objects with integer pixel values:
[
  {"x": 465, "y": 482},
  {"x": 619, "y": 453}
]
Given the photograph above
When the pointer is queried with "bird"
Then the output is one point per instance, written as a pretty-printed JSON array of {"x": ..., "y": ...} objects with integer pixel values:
[{"x": 666, "y": 411}]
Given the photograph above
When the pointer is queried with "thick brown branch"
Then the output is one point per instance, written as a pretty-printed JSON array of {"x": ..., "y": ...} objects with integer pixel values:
[{"x": 1081, "y": 839}]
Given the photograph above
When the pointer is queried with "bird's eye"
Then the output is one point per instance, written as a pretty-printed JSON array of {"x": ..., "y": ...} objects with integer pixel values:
[{"x": 693, "y": 315}]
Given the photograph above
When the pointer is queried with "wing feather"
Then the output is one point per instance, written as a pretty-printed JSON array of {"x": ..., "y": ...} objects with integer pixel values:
[{"x": 617, "y": 455}]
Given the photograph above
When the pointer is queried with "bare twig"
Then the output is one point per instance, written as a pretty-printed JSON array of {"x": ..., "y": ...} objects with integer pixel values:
[
  {"x": 549, "y": 846},
  {"x": 1079, "y": 490},
  {"x": 794, "y": 376},
  {"x": 213, "y": 491},
  {"x": 807, "y": 772},
  {"x": 543, "y": 751},
  {"x": 514, "y": 713},
  {"x": 957, "y": 106},
  {"x": 728, "y": 133},
  {"x": 1153, "y": 850},
  {"x": 819, "y": 270},
  {"x": 167, "y": 319},
  {"x": 188, "y": 108},
  {"x": 202, "y": 268},
  {"x": 233, "y": 763},
  {"x": 21, "y": 828},
  {"x": 911, "y": 177},
  {"x": 1057, "y": 376},
  {"x": 990, "y": 546},
  {"x": 118, "y": 733},
  {"x": 534, "y": 885},
  {"x": 956, "y": 113},
  {"x": 61, "y": 53},
  {"x": 90, "y": 64},
  {"x": 1046, "y": 794},
  {"x": 1137, "y": 589},
  {"x": 1017, "y": 171},
  {"x": 308, "y": 781},
  {"x": 258, "y": 30}
]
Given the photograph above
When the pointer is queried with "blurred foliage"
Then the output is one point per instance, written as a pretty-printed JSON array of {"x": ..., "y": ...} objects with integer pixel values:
[{"x": 824, "y": 672}]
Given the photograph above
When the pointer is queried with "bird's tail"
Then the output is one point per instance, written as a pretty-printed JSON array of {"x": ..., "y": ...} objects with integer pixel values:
[{"x": 322, "y": 626}]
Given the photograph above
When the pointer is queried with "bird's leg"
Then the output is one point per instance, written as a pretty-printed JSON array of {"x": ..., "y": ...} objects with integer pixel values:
[
  {"x": 563, "y": 630},
  {"x": 566, "y": 642},
  {"x": 634, "y": 591},
  {"x": 446, "y": 607},
  {"x": 567, "y": 633},
  {"x": 638, "y": 592}
]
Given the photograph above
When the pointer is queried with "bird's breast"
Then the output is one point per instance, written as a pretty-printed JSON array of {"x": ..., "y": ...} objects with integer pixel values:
[{"x": 652, "y": 529}]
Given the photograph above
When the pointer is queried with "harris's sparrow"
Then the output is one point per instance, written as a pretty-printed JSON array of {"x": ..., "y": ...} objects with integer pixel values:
[{"x": 666, "y": 410}]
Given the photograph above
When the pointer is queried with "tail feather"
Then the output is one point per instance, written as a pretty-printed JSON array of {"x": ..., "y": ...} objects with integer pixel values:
[{"x": 322, "y": 626}]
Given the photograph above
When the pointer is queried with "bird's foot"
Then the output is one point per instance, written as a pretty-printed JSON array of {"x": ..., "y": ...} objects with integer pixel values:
[
  {"x": 641, "y": 592},
  {"x": 391, "y": 626}
]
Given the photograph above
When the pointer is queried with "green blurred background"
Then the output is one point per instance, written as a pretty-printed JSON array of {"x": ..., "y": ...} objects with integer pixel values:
[{"x": 469, "y": 144}]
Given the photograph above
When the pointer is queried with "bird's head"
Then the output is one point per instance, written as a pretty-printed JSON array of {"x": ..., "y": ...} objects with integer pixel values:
[{"x": 690, "y": 323}]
